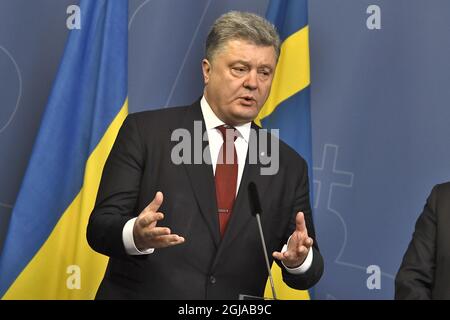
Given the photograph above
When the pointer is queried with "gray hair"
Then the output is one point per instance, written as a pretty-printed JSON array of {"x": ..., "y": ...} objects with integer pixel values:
[{"x": 236, "y": 25}]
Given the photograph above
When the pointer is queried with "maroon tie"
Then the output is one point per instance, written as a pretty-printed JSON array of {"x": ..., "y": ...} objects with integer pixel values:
[{"x": 226, "y": 176}]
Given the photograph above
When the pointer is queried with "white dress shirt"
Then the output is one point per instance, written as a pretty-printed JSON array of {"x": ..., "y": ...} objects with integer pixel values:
[{"x": 215, "y": 143}]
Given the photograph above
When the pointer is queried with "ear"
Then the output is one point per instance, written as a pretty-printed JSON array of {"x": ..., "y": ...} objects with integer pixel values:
[{"x": 206, "y": 68}]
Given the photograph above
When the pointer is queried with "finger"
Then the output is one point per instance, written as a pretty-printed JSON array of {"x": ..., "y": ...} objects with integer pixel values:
[
  {"x": 296, "y": 252},
  {"x": 176, "y": 239},
  {"x": 308, "y": 242},
  {"x": 301, "y": 239},
  {"x": 156, "y": 232},
  {"x": 290, "y": 255},
  {"x": 283, "y": 256},
  {"x": 147, "y": 218},
  {"x": 156, "y": 202},
  {"x": 300, "y": 224},
  {"x": 278, "y": 255},
  {"x": 301, "y": 251},
  {"x": 169, "y": 240}
]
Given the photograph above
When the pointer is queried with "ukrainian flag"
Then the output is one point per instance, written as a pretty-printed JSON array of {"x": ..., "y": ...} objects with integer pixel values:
[
  {"x": 46, "y": 255},
  {"x": 288, "y": 107}
]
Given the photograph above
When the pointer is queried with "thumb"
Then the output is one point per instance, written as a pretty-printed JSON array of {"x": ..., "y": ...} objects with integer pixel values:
[{"x": 156, "y": 202}]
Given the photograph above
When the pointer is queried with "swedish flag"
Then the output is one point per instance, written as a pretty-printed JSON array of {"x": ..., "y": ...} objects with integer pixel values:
[
  {"x": 288, "y": 107},
  {"x": 46, "y": 255}
]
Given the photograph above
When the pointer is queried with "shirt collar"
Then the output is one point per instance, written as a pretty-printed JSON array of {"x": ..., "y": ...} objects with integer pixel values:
[{"x": 212, "y": 121}]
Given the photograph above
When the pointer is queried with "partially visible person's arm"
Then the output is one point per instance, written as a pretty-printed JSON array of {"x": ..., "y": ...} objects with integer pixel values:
[
  {"x": 415, "y": 277},
  {"x": 116, "y": 202},
  {"x": 118, "y": 191},
  {"x": 302, "y": 261}
]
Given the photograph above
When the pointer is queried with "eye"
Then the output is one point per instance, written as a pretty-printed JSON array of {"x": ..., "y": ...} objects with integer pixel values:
[
  {"x": 264, "y": 73},
  {"x": 239, "y": 70}
]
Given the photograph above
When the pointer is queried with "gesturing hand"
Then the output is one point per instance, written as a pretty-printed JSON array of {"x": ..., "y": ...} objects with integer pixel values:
[
  {"x": 298, "y": 246},
  {"x": 146, "y": 234}
]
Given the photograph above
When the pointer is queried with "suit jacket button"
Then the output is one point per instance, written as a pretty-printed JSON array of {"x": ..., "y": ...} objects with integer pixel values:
[{"x": 212, "y": 279}]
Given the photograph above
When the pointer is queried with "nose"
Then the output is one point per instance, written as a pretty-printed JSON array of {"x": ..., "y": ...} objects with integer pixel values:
[{"x": 251, "y": 81}]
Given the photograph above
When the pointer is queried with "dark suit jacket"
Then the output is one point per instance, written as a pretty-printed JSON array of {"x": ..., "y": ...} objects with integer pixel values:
[
  {"x": 425, "y": 270},
  {"x": 205, "y": 266}
]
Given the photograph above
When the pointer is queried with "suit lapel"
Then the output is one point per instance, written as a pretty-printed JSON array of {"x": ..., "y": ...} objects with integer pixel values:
[{"x": 201, "y": 175}]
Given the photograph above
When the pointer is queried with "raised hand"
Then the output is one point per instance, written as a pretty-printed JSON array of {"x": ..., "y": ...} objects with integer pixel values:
[
  {"x": 146, "y": 234},
  {"x": 298, "y": 245}
]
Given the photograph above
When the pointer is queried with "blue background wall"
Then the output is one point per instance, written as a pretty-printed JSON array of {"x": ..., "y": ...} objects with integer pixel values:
[{"x": 380, "y": 113}]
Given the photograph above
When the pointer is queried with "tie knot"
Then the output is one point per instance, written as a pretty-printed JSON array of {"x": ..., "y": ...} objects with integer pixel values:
[{"x": 228, "y": 133}]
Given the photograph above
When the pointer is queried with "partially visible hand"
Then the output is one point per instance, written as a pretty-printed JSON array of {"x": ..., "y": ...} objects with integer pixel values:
[
  {"x": 146, "y": 234},
  {"x": 298, "y": 246}
]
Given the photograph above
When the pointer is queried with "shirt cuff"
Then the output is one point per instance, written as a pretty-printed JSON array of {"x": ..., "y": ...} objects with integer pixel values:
[
  {"x": 304, "y": 266},
  {"x": 128, "y": 240}
]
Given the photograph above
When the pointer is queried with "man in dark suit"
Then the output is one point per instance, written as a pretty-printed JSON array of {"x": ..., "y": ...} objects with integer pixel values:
[
  {"x": 197, "y": 239},
  {"x": 425, "y": 270}
]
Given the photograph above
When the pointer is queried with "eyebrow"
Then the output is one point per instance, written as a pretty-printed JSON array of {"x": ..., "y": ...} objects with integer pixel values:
[
  {"x": 241, "y": 62},
  {"x": 247, "y": 63}
]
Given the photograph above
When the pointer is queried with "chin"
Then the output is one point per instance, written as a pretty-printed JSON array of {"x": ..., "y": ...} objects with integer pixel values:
[
  {"x": 245, "y": 118},
  {"x": 245, "y": 113}
]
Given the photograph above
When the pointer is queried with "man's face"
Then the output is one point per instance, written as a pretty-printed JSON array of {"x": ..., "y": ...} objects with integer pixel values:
[{"x": 238, "y": 80}]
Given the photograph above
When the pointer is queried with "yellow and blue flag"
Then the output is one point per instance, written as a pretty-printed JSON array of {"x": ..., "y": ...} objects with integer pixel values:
[
  {"x": 45, "y": 254},
  {"x": 288, "y": 106}
]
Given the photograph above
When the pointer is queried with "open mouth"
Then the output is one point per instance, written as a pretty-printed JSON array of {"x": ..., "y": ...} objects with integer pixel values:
[{"x": 247, "y": 100}]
